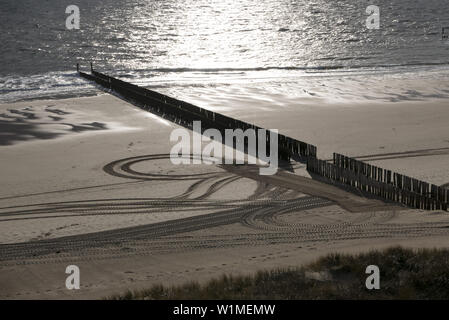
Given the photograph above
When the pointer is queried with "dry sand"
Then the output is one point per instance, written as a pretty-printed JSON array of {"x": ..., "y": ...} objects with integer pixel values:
[{"x": 90, "y": 177}]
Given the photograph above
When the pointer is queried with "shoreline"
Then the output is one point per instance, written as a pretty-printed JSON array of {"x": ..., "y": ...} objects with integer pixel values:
[{"x": 341, "y": 86}]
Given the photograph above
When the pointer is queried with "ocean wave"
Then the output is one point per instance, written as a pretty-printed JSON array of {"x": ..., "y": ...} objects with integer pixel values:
[
  {"x": 293, "y": 68},
  {"x": 49, "y": 85}
]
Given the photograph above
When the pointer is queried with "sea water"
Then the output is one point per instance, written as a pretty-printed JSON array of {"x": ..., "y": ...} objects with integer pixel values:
[{"x": 203, "y": 50}]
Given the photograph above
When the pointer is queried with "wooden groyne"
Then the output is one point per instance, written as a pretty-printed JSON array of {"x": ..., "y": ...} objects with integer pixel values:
[
  {"x": 184, "y": 113},
  {"x": 380, "y": 182},
  {"x": 344, "y": 170}
]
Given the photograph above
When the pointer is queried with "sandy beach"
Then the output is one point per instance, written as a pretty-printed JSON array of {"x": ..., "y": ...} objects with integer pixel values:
[{"x": 88, "y": 181}]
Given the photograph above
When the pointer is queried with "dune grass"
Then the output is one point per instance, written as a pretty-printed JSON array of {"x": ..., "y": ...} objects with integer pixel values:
[{"x": 404, "y": 274}]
